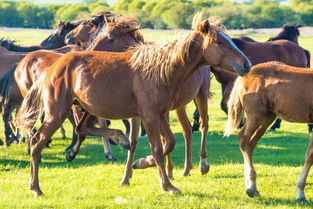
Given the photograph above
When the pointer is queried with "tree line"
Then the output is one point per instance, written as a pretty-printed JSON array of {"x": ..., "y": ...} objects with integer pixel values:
[{"x": 162, "y": 14}]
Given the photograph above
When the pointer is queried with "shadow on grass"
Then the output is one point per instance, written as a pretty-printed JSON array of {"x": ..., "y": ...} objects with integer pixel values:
[{"x": 273, "y": 149}]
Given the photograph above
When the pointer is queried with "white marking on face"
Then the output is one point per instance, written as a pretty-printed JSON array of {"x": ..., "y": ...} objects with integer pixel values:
[{"x": 233, "y": 45}]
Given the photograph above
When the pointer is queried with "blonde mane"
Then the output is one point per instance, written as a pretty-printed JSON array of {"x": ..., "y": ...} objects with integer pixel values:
[{"x": 159, "y": 61}]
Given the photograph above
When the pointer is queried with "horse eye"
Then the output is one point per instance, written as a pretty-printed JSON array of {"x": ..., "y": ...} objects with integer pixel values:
[
  {"x": 111, "y": 41},
  {"x": 220, "y": 43}
]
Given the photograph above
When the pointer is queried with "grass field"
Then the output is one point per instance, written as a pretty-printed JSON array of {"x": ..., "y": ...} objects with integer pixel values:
[{"x": 91, "y": 181}]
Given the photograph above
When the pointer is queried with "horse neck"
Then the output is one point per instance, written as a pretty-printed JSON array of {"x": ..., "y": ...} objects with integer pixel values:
[
  {"x": 223, "y": 77},
  {"x": 24, "y": 49},
  {"x": 192, "y": 63}
]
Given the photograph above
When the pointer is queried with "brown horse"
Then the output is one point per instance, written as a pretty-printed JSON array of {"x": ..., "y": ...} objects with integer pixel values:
[
  {"x": 141, "y": 82},
  {"x": 270, "y": 89},
  {"x": 31, "y": 67},
  {"x": 11, "y": 53},
  {"x": 117, "y": 36},
  {"x": 81, "y": 35},
  {"x": 35, "y": 63},
  {"x": 259, "y": 52}
]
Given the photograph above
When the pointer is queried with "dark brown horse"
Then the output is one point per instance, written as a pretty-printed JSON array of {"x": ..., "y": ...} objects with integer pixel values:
[
  {"x": 270, "y": 90},
  {"x": 53, "y": 41},
  {"x": 141, "y": 82}
]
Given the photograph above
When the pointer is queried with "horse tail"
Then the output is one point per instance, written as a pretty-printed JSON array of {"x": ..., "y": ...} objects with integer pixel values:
[
  {"x": 32, "y": 108},
  {"x": 235, "y": 109},
  {"x": 6, "y": 83},
  {"x": 308, "y": 57}
]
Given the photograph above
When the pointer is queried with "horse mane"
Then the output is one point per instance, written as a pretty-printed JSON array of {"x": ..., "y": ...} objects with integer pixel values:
[
  {"x": 12, "y": 46},
  {"x": 94, "y": 37},
  {"x": 159, "y": 61},
  {"x": 118, "y": 21},
  {"x": 130, "y": 23},
  {"x": 239, "y": 43},
  {"x": 288, "y": 33}
]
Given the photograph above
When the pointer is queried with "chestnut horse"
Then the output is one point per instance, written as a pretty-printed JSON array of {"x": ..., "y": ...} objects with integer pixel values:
[
  {"x": 270, "y": 90},
  {"x": 258, "y": 52},
  {"x": 30, "y": 69},
  {"x": 142, "y": 82},
  {"x": 116, "y": 36},
  {"x": 10, "y": 53}
]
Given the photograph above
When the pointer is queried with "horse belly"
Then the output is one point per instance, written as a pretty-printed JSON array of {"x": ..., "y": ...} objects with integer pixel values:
[
  {"x": 292, "y": 103},
  {"x": 106, "y": 96},
  {"x": 189, "y": 89}
]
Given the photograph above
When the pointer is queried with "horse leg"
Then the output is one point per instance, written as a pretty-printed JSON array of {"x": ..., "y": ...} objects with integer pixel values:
[
  {"x": 248, "y": 138},
  {"x": 74, "y": 135},
  {"x": 143, "y": 131},
  {"x": 202, "y": 101},
  {"x": 106, "y": 145},
  {"x": 152, "y": 125},
  {"x": 84, "y": 119},
  {"x": 310, "y": 127},
  {"x": 134, "y": 130},
  {"x": 276, "y": 124},
  {"x": 7, "y": 116},
  {"x": 168, "y": 142},
  {"x": 127, "y": 126},
  {"x": 63, "y": 132},
  {"x": 50, "y": 124},
  {"x": 304, "y": 174},
  {"x": 196, "y": 117},
  {"x": 184, "y": 121}
]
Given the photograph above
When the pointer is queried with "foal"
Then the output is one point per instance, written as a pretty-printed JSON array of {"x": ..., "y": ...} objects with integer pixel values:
[{"x": 268, "y": 91}]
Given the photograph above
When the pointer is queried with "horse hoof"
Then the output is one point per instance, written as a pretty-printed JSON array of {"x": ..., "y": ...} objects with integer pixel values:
[
  {"x": 186, "y": 172},
  {"x": 172, "y": 190},
  {"x": 112, "y": 142},
  {"x": 252, "y": 193},
  {"x": 124, "y": 183},
  {"x": 204, "y": 168},
  {"x": 170, "y": 176},
  {"x": 38, "y": 193},
  {"x": 110, "y": 158},
  {"x": 125, "y": 144},
  {"x": 70, "y": 156},
  {"x": 140, "y": 163},
  {"x": 301, "y": 199}
]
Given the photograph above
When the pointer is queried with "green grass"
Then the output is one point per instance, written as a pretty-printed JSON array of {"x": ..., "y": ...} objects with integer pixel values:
[{"x": 91, "y": 181}]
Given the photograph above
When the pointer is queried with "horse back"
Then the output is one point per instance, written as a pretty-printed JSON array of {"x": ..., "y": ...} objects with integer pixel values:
[{"x": 280, "y": 89}]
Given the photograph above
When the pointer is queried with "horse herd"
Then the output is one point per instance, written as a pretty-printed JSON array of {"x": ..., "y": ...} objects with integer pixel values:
[{"x": 98, "y": 68}]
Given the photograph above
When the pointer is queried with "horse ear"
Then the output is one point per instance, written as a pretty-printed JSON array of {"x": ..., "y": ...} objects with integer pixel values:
[
  {"x": 298, "y": 25},
  {"x": 107, "y": 21},
  {"x": 205, "y": 26}
]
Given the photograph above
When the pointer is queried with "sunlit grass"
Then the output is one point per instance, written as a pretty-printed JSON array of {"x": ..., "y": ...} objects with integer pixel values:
[{"x": 91, "y": 181}]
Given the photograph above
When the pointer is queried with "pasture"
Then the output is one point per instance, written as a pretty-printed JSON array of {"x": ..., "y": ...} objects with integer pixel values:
[{"x": 91, "y": 182}]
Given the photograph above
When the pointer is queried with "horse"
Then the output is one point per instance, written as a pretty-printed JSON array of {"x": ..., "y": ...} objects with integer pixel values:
[
  {"x": 290, "y": 33},
  {"x": 268, "y": 91},
  {"x": 259, "y": 52},
  {"x": 35, "y": 60},
  {"x": 116, "y": 35},
  {"x": 141, "y": 82},
  {"x": 35, "y": 63},
  {"x": 53, "y": 41},
  {"x": 81, "y": 34}
]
